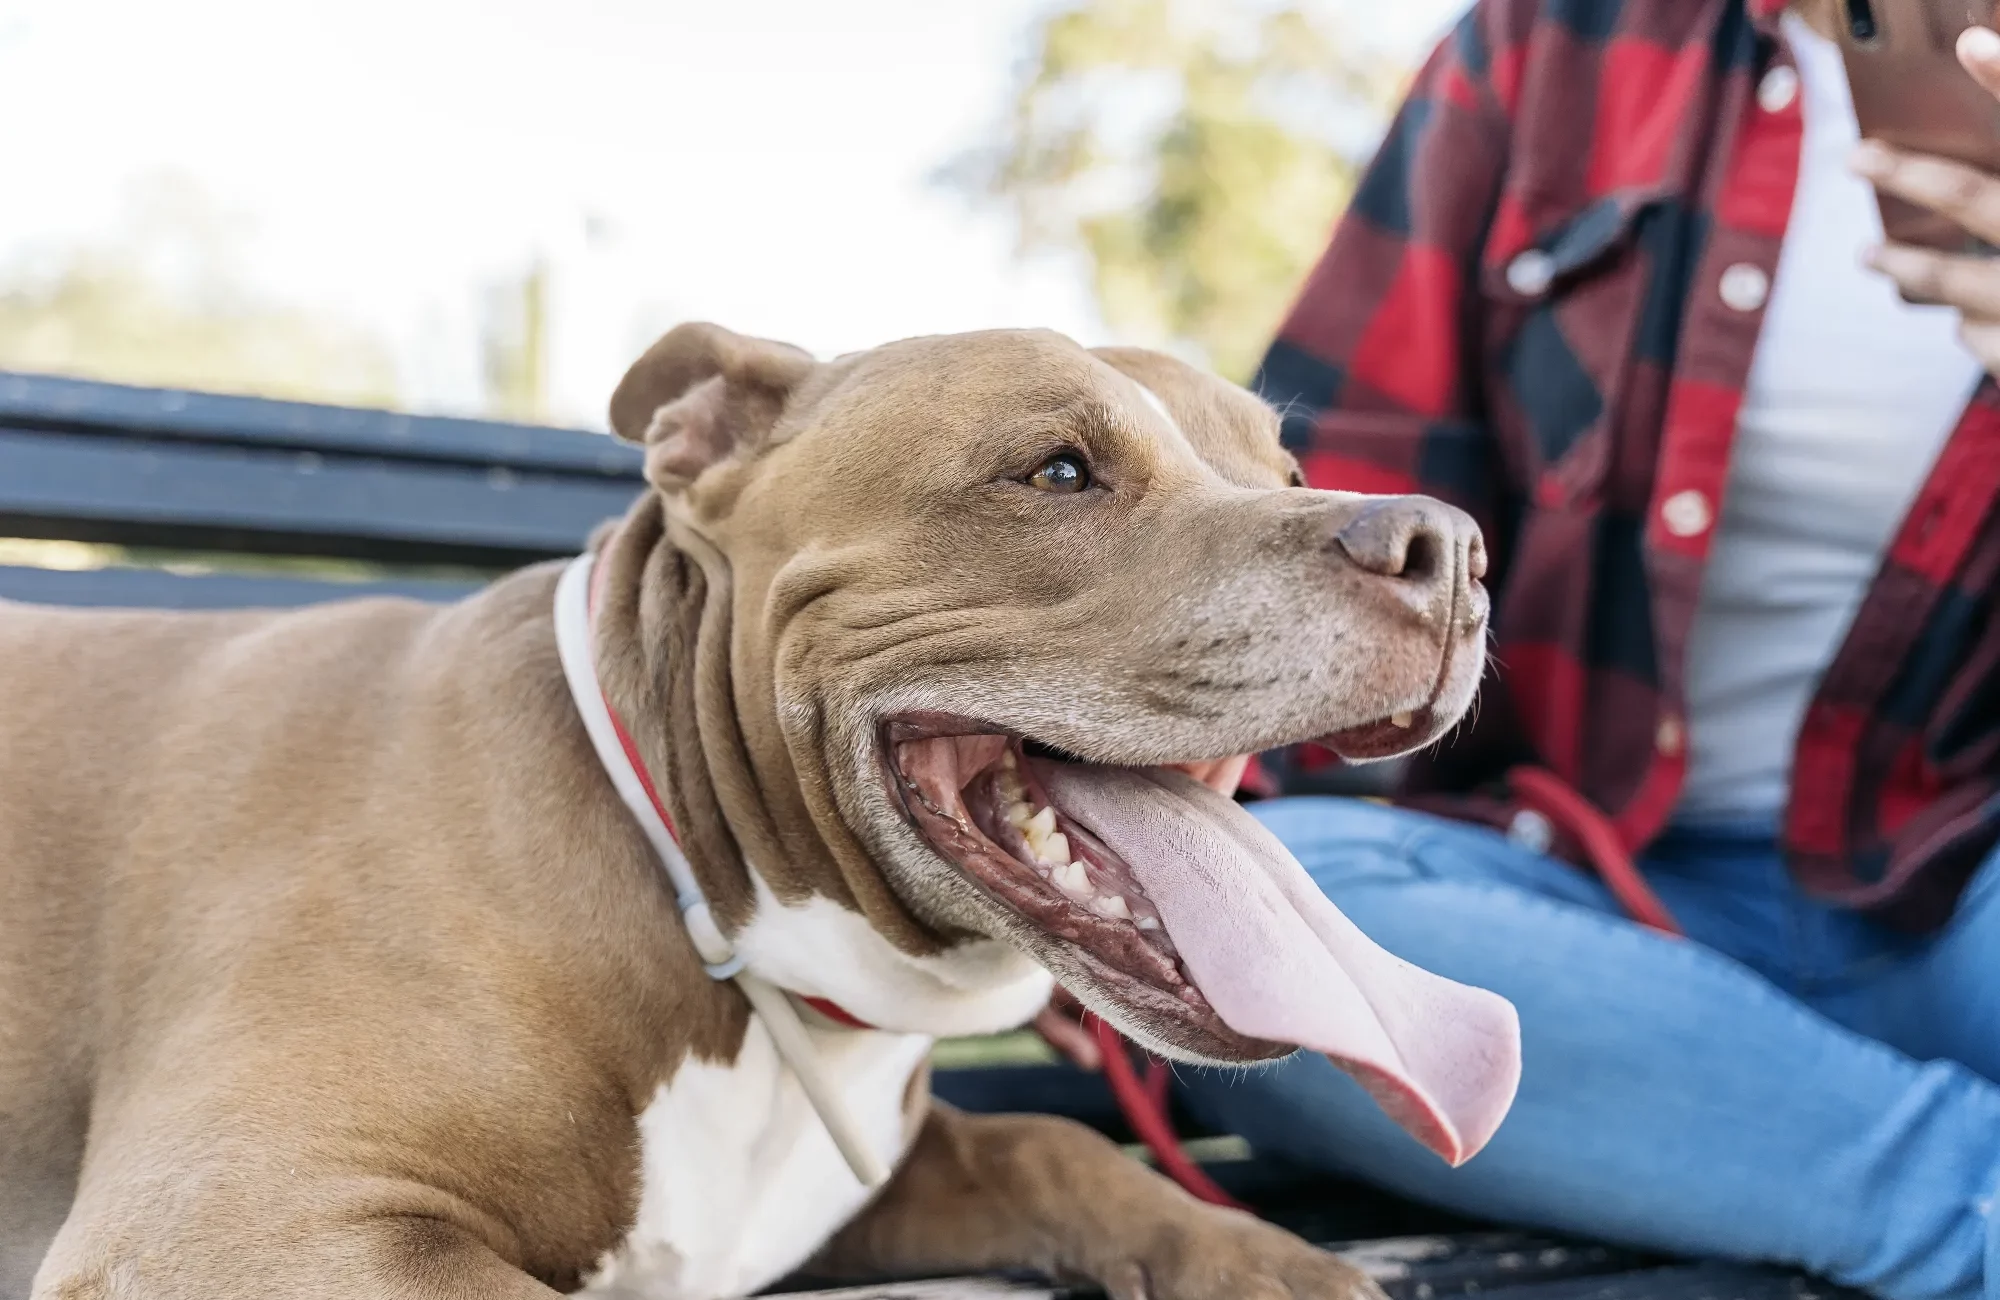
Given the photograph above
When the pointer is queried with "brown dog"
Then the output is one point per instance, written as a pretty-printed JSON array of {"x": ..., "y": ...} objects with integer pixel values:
[{"x": 333, "y": 965}]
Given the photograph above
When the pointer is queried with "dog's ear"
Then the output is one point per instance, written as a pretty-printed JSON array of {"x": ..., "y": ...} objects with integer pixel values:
[{"x": 702, "y": 394}]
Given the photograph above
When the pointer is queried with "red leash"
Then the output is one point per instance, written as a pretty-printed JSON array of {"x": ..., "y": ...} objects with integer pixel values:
[
  {"x": 1542, "y": 791},
  {"x": 1145, "y": 1105}
]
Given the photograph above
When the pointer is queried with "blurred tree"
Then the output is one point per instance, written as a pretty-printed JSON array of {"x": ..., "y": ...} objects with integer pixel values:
[
  {"x": 1195, "y": 152},
  {"x": 514, "y": 346},
  {"x": 159, "y": 301}
]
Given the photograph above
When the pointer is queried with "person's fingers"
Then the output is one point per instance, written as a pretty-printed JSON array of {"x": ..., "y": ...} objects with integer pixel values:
[
  {"x": 1982, "y": 339},
  {"x": 1971, "y": 284},
  {"x": 1979, "y": 54},
  {"x": 1070, "y": 1039},
  {"x": 1222, "y": 775},
  {"x": 1967, "y": 196}
]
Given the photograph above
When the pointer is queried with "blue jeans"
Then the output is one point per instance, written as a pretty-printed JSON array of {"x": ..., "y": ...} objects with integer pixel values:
[{"x": 1796, "y": 1086}]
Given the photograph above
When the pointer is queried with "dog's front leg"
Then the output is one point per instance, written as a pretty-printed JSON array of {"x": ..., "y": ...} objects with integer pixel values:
[{"x": 1031, "y": 1191}]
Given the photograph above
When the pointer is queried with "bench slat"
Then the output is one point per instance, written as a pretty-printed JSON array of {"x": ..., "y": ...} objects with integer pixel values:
[
  {"x": 121, "y": 588},
  {"x": 1441, "y": 1268},
  {"x": 1688, "y": 1282},
  {"x": 1693, "y": 1282},
  {"x": 951, "y": 1288},
  {"x": 207, "y": 497},
  {"x": 57, "y": 402}
]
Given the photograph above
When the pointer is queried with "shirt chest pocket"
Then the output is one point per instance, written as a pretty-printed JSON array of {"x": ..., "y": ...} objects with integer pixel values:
[{"x": 1579, "y": 325}]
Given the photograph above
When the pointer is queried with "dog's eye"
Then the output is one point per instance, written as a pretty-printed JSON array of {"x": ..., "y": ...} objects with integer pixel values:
[
  {"x": 1298, "y": 478},
  {"x": 1064, "y": 473}
]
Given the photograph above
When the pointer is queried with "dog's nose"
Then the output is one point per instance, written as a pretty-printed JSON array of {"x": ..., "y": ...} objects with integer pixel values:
[{"x": 1417, "y": 540}]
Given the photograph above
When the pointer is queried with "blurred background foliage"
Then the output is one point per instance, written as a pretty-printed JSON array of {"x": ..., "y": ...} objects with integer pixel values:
[
  {"x": 1194, "y": 154},
  {"x": 1185, "y": 158},
  {"x": 161, "y": 300}
]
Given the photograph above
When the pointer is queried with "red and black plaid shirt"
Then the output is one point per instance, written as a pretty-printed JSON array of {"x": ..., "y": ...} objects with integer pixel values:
[{"x": 1542, "y": 306}]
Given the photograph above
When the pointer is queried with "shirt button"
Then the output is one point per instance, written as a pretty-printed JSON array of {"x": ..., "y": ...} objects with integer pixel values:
[
  {"x": 1530, "y": 830},
  {"x": 1669, "y": 736},
  {"x": 1529, "y": 273},
  {"x": 1687, "y": 513},
  {"x": 1778, "y": 89},
  {"x": 1745, "y": 287}
]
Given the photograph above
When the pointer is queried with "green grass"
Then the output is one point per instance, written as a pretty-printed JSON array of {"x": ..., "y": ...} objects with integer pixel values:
[
  {"x": 1021, "y": 1047},
  {"x": 1203, "y": 1150}
]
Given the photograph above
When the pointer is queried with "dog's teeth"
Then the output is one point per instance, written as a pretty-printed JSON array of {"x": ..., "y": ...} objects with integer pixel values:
[
  {"x": 1402, "y": 719},
  {"x": 1044, "y": 840},
  {"x": 1073, "y": 880},
  {"x": 1019, "y": 814},
  {"x": 1147, "y": 922},
  {"x": 1112, "y": 907}
]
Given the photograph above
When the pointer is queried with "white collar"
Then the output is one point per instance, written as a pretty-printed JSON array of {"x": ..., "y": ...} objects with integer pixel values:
[{"x": 575, "y": 644}]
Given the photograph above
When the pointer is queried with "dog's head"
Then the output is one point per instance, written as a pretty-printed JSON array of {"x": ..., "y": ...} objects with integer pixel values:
[{"x": 994, "y": 597}]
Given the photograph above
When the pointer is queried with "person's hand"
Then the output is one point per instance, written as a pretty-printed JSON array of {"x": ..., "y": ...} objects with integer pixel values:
[
  {"x": 1967, "y": 196},
  {"x": 1061, "y": 1026},
  {"x": 1222, "y": 775}
]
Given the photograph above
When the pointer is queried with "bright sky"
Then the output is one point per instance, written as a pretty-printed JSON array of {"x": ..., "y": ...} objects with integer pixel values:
[{"x": 761, "y": 163}]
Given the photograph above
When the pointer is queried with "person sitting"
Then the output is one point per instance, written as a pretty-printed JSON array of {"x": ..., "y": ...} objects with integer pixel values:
[{"x": 1604, "y": 287}]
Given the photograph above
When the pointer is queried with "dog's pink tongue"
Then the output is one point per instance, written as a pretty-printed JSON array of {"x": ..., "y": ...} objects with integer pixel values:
[{"x": 1279, "y": 962}]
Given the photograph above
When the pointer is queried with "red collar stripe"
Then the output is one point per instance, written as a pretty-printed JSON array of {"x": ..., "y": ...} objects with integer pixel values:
[{"x": 831, "y": 1010}]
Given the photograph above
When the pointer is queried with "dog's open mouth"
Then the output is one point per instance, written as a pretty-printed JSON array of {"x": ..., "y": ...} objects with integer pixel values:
[
  {"x": 981, "y": 801},
  {"x": 1195, "y": 921},
  {"x": 1383, "y": 737}
]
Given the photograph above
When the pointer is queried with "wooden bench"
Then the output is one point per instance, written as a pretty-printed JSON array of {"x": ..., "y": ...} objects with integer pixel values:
[{"x": 197, "y": 501}]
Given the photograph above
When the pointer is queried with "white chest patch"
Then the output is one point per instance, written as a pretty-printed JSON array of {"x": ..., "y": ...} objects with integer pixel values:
[
  {"x": 741, "y": 1182},
  {"x": 820, "y": 949}
]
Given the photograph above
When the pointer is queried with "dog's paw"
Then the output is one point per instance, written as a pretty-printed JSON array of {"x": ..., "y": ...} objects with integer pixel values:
[{"x": 1225, "y": 1255}]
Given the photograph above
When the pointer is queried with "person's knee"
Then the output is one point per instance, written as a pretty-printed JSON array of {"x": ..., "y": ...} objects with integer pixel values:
[{"x": 1981, "y": 899}]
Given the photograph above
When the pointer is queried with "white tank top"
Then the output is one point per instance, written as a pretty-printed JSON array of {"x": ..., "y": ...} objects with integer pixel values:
[{"x": 1851, "y": 394}]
